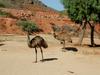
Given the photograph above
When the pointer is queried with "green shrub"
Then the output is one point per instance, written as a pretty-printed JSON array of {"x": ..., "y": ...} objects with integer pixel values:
[
  {"x": 2, "y": 5},
  {"x": 2, "y": 13},
  {"x": 6, "y": 14},
  {"x": 28, "y": 26}
]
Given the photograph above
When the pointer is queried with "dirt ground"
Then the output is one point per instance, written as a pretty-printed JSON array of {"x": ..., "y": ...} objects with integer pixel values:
[{"x": 17, "y": 59}]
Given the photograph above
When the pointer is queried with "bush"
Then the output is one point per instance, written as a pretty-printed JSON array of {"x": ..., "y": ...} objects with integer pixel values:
[
  {"x": 5, "y": 14},
  {"x": 2, "y": 13},
  {"x": 5, "y": 3},
  {"x": 28, "y": 26},
  {"x": 2, "y": 5}
]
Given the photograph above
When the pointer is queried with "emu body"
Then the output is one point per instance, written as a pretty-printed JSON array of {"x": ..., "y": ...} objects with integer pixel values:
[
  {"x": 61, "y": 34},
  {"x": 37, "y": 42},
  {"x": 62, "y": 37}
]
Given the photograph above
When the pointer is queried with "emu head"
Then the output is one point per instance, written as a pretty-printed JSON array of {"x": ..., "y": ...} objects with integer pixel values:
[
  {"x": 55, "y": 29},
  {"x": 56, "y": 35}
]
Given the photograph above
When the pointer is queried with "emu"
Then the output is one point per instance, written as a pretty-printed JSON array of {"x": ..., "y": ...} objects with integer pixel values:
[
  {"x": 61, "y": 35},
  {"x": 37, "y": 42}
]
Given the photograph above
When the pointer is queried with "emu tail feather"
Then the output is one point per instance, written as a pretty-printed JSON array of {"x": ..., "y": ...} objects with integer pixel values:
[{"x": 44, "y": 44}]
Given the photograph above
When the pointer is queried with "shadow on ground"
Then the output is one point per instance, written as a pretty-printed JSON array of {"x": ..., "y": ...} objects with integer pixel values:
[
  {"x": 70, "y": 49},
  {"x": 2, "y": 44},
  {"x": 49, "y": 59},
  {"x": 96, "y": 45}
]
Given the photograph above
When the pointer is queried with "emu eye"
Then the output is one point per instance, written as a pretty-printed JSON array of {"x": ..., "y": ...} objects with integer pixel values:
[{"x": 61, "y": 42}]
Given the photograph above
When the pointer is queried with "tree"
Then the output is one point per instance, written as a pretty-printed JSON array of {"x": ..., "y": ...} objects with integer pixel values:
[
  {"x": 28, "y": 26},
  {"x": 84, "y": 12}
]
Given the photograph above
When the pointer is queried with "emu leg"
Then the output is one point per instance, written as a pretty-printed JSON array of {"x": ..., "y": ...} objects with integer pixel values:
[
  {"x": 41, "y": 52},
  {"x": 64, "y": 44},
  {"x": 36, "y": 55}
]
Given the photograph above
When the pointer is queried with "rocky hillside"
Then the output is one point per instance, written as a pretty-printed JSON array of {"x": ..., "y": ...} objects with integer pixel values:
[
  {"x": 13, "y": 10},
  {"x": 33, "y": 5}
]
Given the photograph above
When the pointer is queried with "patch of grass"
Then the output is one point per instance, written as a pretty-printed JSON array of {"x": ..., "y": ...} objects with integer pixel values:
[
  {"x": 5, "y": 3},
  {"x": 2, "y": 5},
  {"x": 6, "y": 14}
]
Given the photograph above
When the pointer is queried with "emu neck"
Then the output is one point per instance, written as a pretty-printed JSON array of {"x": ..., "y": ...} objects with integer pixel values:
[
  {"x": 28, "y": 39},
  {"x": 54, "y": 35}
]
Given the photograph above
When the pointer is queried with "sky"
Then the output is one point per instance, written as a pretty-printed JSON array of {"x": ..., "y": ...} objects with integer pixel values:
[{"x": 53, "y": 4}]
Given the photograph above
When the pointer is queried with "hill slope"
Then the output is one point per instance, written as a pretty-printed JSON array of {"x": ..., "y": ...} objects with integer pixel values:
[{"x": 33, "y": 10}]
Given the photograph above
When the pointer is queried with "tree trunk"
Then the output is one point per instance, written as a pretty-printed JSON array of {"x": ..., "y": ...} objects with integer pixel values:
[
  {"x": 92, "y": 36},
  {"x": 82, "y": 34},
  {"x": 92, "y": 33}
]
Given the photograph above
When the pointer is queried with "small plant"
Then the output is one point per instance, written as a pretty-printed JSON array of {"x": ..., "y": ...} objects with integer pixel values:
[
  {"x": 2, "y": 5},
  {"x": 5, "y": 3},
  {"x": 2, "y": 13},
  {"x": 28, "y": 26},
  {"x": 6, "y": 14}
]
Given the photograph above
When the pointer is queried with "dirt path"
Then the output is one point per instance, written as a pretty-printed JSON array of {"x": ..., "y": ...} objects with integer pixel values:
[{"x": 17, "y": 59}]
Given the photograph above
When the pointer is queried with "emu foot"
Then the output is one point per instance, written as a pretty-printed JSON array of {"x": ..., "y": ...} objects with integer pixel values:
[
  {"x": 93, "y": 45},
  {"x": 42, "y": 60},
  {"x": 63, "y": 49},
  {"x": 34, "y": 62}
]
